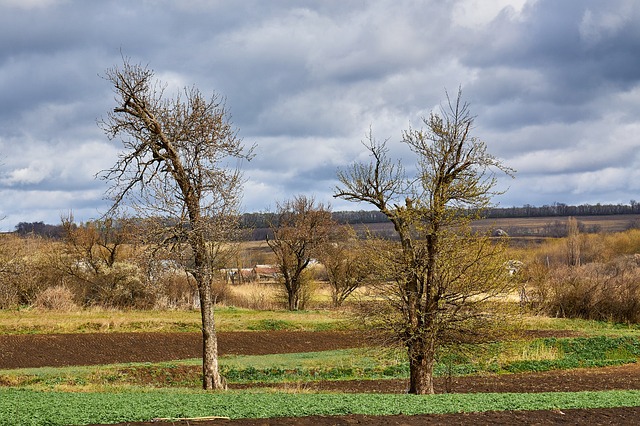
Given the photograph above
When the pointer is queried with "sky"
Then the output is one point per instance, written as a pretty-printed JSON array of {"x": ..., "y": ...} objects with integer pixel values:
[{"x": 554, "y": 86}]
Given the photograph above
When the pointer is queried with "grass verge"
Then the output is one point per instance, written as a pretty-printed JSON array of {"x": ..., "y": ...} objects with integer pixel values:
[
  {"x": 32, "y": 321},
  {"x": 25, "y": 407}
]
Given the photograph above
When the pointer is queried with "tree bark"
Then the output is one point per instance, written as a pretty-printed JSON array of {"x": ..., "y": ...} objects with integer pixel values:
[
  {"x": 293, "y": 301},
  {"x": 421, "y": 363},
  {"x": 211, "y": 378}
]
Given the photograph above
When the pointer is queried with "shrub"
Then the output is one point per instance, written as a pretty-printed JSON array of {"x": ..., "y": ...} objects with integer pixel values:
[
  {"x": 221, "y": 291},
  {"x": 58, "y": 298},
  {"x": 25, "y": 269},
  {"x": 8, "y": 295},
  {"x": 173, "y": 290},
  {"x": 606, "y": 292}
]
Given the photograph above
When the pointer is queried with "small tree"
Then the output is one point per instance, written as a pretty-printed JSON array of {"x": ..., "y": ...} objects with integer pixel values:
[
  {"x": 439, "y": 275},
  {"x": 573, "y": 242},
  {"x": 180, "y": 167},
  {"x": 301, "y": 226},
  {"x": 347, "y": 263}
]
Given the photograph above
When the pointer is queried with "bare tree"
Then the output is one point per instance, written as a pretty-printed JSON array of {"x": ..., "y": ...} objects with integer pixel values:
[
  {"x": 301, "y": 227},
  {"x": 347, "y": 263},
  {"x": 180, "y": 163},
  {"x": 573, "y": 242},
  {"x": 439, "y": 275}
]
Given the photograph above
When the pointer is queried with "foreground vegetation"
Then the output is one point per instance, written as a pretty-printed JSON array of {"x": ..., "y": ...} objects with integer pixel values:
[
  {"x": 609, "y": 335},
  {"x": 111, "y": 393},
  {"x": 299, "y": 369},
  {"x": 25, "y": 407}
]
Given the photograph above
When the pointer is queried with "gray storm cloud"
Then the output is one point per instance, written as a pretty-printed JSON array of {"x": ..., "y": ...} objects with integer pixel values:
[{"x": 555, "y": 87}]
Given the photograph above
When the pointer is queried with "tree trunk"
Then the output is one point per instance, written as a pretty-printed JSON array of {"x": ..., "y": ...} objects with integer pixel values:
[
  {"x": 293, "y": 299},
  {"x": 211, "y": 378},
  {"x": 421, "y": 363}
]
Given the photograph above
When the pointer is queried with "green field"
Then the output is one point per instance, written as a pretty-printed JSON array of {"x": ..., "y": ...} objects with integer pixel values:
[{"x": 27, "y": 407}]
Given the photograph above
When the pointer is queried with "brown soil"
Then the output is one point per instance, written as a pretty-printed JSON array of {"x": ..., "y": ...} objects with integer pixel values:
[
  {"x": 617, "y": 416},
  {"x": 18, "y": 351},
  {"x": 57, "y": 350}
]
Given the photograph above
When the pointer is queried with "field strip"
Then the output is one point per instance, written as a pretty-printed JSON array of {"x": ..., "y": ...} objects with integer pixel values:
[{"x": 19, "y": 406}]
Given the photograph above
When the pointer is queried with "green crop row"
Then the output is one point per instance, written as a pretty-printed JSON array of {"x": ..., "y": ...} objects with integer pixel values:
[{"x": 23, "y": 407}]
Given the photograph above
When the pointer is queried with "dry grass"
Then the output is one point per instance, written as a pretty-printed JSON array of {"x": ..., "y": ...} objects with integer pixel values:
[
  {"x": 114, "y": 321},
  {"x": 259, "y": 296},
  {"x": 528, "y": 352}
]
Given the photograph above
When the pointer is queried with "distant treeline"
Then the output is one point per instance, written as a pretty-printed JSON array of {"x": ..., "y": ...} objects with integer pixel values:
[
  {"x": 41, "y": 229},
  {"x": 559, "y": 209},
  {"x": 262, "y": 221}
]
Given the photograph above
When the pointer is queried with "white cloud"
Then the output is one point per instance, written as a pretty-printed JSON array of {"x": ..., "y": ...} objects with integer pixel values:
[{"x": 36, "y": 172}]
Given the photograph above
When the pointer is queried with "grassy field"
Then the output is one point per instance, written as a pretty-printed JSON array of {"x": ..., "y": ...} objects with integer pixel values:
[
  {"x": 31, "y": 321},
  {"x": 533, "y": 225},
  {"x": 348, "y": 364}
]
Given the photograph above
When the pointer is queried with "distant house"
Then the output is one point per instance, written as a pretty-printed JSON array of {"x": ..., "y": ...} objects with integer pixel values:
[
  {"x": 500, "y": 233},
  {"x": 239, "y": 275},
  {"x": 266, "y": 272}
]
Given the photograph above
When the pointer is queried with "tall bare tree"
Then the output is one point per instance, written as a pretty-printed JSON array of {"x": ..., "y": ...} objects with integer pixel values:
[
  {"x": 180, "y": 163},
  {"x": 301, "y": 227},
  {"x": 439, "y": 274}
]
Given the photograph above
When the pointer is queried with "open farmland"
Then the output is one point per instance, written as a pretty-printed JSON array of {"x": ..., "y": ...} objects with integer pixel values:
[
  {"x": 605, "y": 223},
  {"x": 98, "y": 365},
  {"x": 532, "y": 227},
  {"x": 300, "y": 366}
]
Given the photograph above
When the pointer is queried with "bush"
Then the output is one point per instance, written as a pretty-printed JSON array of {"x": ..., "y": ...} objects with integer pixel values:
[
  {"x": 174, "y": 290},
  {"x": 605, "y": 292},
  {"x": 25, "y": 270},
  {"x": 8, "y": 295},
  {"x": 221, "y": 291},
  {"x": 58, "y": 298}
]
